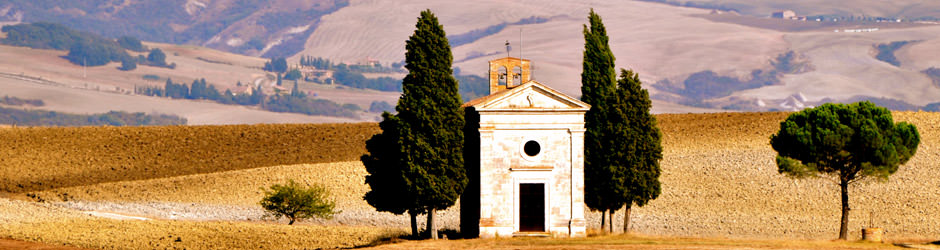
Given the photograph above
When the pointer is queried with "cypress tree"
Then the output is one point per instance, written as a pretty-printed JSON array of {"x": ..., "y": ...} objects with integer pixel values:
[
  {"x": 603, "y": 181},
  {"x": 423, "y": 143},
  {"x": 638, "y": 148},
  {"x": 390, "y": 191},
  {"x": 431, "y": 120}
]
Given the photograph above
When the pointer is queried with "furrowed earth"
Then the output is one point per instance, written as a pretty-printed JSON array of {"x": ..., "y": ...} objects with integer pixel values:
[{"x": 198, "y": 187}]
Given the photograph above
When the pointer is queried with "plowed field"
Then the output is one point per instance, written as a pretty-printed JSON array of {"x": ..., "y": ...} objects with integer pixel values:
[
  {"x": 40, "y": 158},
  {"x": 719, "y": 181}
]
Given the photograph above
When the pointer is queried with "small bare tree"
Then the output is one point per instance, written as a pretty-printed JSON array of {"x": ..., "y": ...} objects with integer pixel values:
[{"x": 296, "y": 202}]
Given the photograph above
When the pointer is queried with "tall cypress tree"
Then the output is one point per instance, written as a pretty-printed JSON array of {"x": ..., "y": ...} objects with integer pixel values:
[
  {"x": 431, "y": 120},
  {"x": 638, "y": 148},
  {"x": 390, "y": 190},
  {"x": 603, "y": 181}
]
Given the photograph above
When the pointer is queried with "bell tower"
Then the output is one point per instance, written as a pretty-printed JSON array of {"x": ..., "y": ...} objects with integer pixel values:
[{"x": 508, "y": 72}]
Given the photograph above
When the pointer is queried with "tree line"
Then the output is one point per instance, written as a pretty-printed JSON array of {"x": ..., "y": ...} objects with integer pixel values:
[
  {"x": 471, "y": 86},
  {"x": 15, "y": 101},
  {"x": 20, "y": 117},
  {"x": 84, "y": 48},
  {"x": 295, "y": 102}
]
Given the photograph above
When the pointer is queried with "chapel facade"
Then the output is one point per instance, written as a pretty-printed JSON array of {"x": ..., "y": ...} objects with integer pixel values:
[{"x": 524, "y": 154}]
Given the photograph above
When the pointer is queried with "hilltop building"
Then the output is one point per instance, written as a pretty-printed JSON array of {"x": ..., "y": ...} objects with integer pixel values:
[
  {"x": 525, "y": 158},
  {"x": 784, "y": 14}
]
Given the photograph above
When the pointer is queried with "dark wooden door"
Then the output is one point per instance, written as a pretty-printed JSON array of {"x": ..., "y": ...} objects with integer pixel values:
[{"x": 532, "y": 207}]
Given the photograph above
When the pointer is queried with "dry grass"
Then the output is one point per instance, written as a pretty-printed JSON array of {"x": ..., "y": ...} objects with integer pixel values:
[
  {"x": 51, "y": 225},
  {"x": 34, "y": 159},
  {"x": 83, "y": 101},
  {"x": 720, "y": 187},
  {"x": 720, "y": 180},
  {"x": 344, "y": 180},
  {"x": 633, "y": 241}
]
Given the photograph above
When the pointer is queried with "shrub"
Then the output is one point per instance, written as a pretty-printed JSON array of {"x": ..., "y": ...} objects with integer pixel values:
[
  {"x": 156, "y": 57},
  {"x": 296, "y": 202}
]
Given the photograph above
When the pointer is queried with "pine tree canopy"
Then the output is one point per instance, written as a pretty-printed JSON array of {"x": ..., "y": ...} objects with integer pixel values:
[{"x": 847, "y": 141}]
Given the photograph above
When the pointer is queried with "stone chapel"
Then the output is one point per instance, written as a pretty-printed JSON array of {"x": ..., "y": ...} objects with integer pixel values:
[{"x": 524, "y": 155}]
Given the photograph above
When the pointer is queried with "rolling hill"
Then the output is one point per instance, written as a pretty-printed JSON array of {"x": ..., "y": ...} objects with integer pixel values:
[
  {"x": 669, "y": 45},
  {"x": 664, "y": 43},
  {"x": 251, "y": 27},
  {"x": 718, "y": 179}
]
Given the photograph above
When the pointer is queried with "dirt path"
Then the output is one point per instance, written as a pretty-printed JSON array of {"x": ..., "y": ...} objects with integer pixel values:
[{"x": 634, "y": 242}]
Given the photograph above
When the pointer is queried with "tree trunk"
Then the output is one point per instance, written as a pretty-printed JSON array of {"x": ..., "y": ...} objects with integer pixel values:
[
  {"x": 414, "y": 223},
  {"x": 291, "y": 222},
  {"x": 610, "y": 228},
  {"x": 844, "y": 228},
  {"x": 431, "y": 227},
  {"x": 603, "y": 222},
  {"x": 626, "y": 219}
]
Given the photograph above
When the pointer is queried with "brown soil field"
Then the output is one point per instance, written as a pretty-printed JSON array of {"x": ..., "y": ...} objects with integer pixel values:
[
  {"x": 37, "y": 158},
  {"x": 721, "y": 190}
]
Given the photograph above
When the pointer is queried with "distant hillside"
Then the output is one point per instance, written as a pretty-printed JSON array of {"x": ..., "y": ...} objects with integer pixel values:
[
  {"x": 252, "y": 27},
  {"x": 905, "y": 9},
  {"x": 18, "y": 117},
  {"x": 692, "y": 55}
]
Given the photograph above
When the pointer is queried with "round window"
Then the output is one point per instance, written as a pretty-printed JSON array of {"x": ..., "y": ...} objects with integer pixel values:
[{"x": 531, "y": 148}]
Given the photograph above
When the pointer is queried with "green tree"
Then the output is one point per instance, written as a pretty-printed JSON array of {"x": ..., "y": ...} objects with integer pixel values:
[
  {"x": 637, "y": 145},
  {"x": 296, "y": 92},
  {"x": 212, "y": 93},
  {"x": 89, "y": 54},
  {"x": 390, "y": 191},
  {"x": 156, "y": 57},
  {"x": 431, "y": 120},
  {"x": 128, "y": 63},
  {"x": 293, "y": 74},
  {"x": 296, "y": 202},
  {"x": 198, "y": 89},
  {"x": 131, "y": 43},
  {"x": 603, "y": 180},
  {"x": 277, "y": 64},
  {"x": 849, "y": 142}
]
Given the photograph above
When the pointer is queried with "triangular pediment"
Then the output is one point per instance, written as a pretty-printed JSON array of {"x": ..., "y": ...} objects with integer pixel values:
[{"x": 532, "y": 96}]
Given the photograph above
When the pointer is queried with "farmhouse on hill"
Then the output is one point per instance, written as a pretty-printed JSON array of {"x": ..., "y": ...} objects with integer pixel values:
[
  {"x": 525, "y": 158},
  {"x": 784, "y": 14}
]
